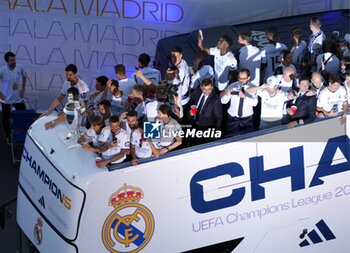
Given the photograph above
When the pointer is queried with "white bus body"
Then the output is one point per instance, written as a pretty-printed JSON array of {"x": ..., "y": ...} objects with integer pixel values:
[{"x": 285, "y": 190}]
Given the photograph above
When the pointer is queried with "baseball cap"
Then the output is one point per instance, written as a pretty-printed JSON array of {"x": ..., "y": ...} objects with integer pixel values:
[
  {"x": 347, "y": 37},
  {"x": 272, "y": 81}
]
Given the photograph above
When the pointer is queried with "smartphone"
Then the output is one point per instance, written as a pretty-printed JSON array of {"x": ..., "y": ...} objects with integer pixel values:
[
  {"x": 200, "y": 34},
  {"x": 234, "y": 92}
]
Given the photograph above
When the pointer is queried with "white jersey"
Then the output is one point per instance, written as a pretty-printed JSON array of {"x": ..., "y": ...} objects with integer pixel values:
[
  {"x": 80, "y": 85},
  {"x": 11, "y": 83},
  {"x": 205, "y": 72},
  {"x": 142, "y": 147},
  {"x": 222, "y": 66},
  {"x": 123, "y": 139},
  {"x": 150, "y": 73},
  {"x": 169, "y": 132},
  {"x": 271, "y": 56},
  {"x": 332, "y": 101},
  {"x": 250, "y": 58},
  {"x": 126, "y": 85},
  {"x": 332, "y": 63},
  {"x": 93, "y": 136},
  {"x": 271, "y": 107},
  {"x": 151, "y": 110},
  {"x": 184, "y": 74}
]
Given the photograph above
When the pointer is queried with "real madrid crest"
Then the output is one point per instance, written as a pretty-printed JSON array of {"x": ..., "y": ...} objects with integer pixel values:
[
  {"x": 130, "y": 226},
  {"x": 38, "y": 231}
]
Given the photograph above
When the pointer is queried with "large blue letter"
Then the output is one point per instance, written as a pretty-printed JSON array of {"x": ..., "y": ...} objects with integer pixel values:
[
  {"x": 295, "y": 170},
  {"x": 325, "y": 167},
  {"x": 197, "y": 194}
]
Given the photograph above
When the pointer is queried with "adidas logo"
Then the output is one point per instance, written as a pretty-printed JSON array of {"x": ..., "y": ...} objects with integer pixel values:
[
  {"x": 314, "y": 235},
  {"x": 42, "y": 201}
]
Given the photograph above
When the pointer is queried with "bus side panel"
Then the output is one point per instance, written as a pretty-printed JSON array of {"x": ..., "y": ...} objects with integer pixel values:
[
  {"x": 53, "y": 195},
  {"x": 38, "y": 230}
]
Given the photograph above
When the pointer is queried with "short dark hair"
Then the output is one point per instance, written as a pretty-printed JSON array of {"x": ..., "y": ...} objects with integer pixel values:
[
  {"x": 334, "y": 78},
  {"x": 228, "y": 39},
  {"x": 165, "y": 109},
  {"x": 177, "y": 50},
  {"x": 315, "y": 21},
  {"x": 97, "y": 121},
  {"x": 113, "y": 119},
  {"x": 138, "y": 88},
  {"x": 244, "y": 70},
  {"x": 296, "y": 31},
  {"x": 245, "y": 35},
  {"x": 74, "y": 91},
  {"x": 8, "y": 55},
  {"x": 304, "y": 78},
  {"x": 120, "y": 69},
  {"x": 105, "y": 103},
  {"x": 102, "y": 80},
  {"x": 144, "y": 59},
  {"x": 71, "y": 67},
  {"x": 131, "y": 114},
  {"x": 115, "y": 83},
  {"x": 206, "y": 82},
  {"x": 274, "y": 32},
  {"x": 284, "y": 53}
]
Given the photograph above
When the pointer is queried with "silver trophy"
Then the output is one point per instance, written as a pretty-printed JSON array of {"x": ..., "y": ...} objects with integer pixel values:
[{"x": 74, "y": 117}]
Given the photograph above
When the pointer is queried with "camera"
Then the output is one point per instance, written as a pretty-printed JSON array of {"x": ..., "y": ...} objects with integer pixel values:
[{"x": 173, "y": 90}]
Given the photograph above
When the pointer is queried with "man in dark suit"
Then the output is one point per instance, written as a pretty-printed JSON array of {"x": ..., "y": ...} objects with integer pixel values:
[
  {"x": 206, "y": 109},
  {"x": 302, "y": 109}
]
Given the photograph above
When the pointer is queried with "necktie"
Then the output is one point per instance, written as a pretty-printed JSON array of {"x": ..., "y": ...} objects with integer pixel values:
[
  {"x": 200, "y": 106},
  {"x": 240, "y": 106}
]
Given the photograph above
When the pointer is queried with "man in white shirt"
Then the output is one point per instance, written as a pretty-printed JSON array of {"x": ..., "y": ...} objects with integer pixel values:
[
  {"x": 249, "y": 57},
  {"x": 288, "y": 81},
  {"x": 170, "y": 128},
  {"x": 13, "y": 84},
  {"x": 272, "y": 102},
  {"x": 316, "y": 38},
  {"x": 148, "y": 72},
  {"x": 125, "y": 83},
  {"x": 184, "y": 74},
  {"x": 115, "y": 141},
  {"x": 333, "y": 100},
  {"x": 72, "y": 81},
  {"x": 224, "y": 60},
  {"x": 317, "y": 83},
  {"x": 240, "y": 112}
]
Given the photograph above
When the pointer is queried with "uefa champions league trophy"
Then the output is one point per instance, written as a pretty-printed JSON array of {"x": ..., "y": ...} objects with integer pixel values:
[{"x": 74, "y": 117}]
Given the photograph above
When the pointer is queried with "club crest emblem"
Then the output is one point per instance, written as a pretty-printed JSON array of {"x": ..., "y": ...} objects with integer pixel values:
[{"x": 130, "y": 226}]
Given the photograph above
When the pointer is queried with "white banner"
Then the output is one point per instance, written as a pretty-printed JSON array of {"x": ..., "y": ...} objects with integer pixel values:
[{"x": 98, "y": 34}]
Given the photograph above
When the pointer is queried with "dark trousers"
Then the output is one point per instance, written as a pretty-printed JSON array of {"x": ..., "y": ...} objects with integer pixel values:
[
  {"x": 237, "y": 125},
  {"x": 6, "y": 115}
]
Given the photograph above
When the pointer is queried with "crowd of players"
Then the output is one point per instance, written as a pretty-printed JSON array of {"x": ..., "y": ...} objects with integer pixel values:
[{"x": 250, "y": 90}]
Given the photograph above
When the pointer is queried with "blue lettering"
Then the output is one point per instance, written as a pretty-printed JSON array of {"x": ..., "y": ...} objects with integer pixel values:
[
  {"x": 325, "y": 167},
  {"x": 22, "y": 27},
  {"x": 77, "y": 27},
  {"x": 197, "y": 194},
  {"x": 295, "y": 170}
]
